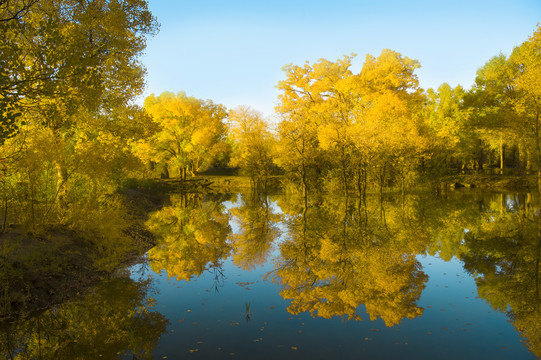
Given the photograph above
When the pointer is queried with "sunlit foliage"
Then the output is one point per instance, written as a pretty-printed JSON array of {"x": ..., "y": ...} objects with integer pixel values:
[
  {"x": 337, "y": 124},
  {"x": 190, "y": 135}
]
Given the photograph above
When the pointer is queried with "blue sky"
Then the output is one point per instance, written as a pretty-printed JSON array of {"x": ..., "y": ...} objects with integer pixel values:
[{"x": 232, "y": 52}]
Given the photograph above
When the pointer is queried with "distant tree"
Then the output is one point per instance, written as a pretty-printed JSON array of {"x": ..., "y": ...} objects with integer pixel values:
[
  {"x": 454, "y": 137},
  {"x": 490, "y": 101},
  {"x": 190, "y": 135},
  {"x": 252, "y": 144}
]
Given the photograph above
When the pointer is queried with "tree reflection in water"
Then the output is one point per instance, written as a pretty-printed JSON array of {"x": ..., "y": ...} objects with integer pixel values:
[
  {"x": 192, "y": 234},
  {"x": 338, "y": 254},
  {"x": 334, "y": 257},
  {"x": 117, "y": 318},
  {"x": 503, "y": 254}
]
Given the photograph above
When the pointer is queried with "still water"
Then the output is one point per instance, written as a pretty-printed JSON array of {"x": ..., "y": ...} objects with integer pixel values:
[{"x": 263, "y": 277}]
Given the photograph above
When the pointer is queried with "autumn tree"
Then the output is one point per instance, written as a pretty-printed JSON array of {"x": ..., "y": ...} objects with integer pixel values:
[
  {"x": 297, "y": 151},
  {"x": 490, "y": 102},
  {"x": 526, "y": 59},
  {"x": 454, "y": 140},
  {"x": 252, "y": 144},
  {"x": 190, "y": 135},
  {"x": 70, "y": 72},
  {"x": 352, "y": 121}
]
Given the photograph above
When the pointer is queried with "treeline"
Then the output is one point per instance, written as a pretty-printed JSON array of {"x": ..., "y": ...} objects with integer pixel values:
[{"x": 356, "y": 131}]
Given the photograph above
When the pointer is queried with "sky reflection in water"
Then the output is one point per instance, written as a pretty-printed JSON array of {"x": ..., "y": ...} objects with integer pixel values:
[
  {"x": 240, "y": 276},
  {"x": 264, "y": 311}
]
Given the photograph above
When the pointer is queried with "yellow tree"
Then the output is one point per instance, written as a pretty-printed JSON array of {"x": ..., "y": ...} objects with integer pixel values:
[
  {"x": 252, "y": 144},
  {"x": 70, "y": 70},
  {"x": 191, "y": 132},
  {"x": 391, "y": 126},
  {"x": 490, "y": 102},
  {"x": 453, "y": 136},
  {"x": 297, "y": 151},
  {"x": 337, "y": 108},
  {"x": 527, "y": 103}
]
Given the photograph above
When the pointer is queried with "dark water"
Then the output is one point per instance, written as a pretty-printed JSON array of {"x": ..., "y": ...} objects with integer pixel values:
[{"x": 253, "y": 277}]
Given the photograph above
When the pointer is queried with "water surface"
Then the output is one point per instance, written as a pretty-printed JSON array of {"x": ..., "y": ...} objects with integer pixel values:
[{"x": 251, "y": 276}]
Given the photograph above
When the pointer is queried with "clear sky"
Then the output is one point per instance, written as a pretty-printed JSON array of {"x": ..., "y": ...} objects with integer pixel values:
[{"x": 233, "y": 51}]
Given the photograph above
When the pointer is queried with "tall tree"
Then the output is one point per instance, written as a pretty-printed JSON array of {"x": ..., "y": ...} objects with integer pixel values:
[
  {"x": 191, "y": 132},
  {"x": 453, "y": 137},
  {"x": 297, "y": 150},
  {"x": 69, "y": 73},
  {"x": 527, "y": 61}
]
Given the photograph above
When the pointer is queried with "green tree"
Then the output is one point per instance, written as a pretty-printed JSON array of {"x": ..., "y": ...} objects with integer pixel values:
[{"x": 453, "y": 137}]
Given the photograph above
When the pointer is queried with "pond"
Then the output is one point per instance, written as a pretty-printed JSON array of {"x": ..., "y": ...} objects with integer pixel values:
[{"x": 247, "y": 276}]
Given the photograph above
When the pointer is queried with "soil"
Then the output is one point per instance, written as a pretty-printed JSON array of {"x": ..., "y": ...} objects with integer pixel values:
[{"x": 41, "y": 269}]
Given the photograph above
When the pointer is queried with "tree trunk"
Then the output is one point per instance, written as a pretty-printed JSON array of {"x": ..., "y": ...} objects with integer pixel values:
[
  {"x": 4, "y": 224},
  {"x": 538, "y": 257},
  {"x": 359, "y": 186},
  {"x": 304, "y": 187},
  {"x": 480, "y": 166},
  {"x": 502, "y": 154},
  {"x": 537, "y": 148},
  {"x": 165, "y": 172},
  {"x": 61, "y": 180}
]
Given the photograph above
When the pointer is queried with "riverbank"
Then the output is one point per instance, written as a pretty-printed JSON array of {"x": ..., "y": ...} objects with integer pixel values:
[
  {"x": 51, "y": 265},
  {"x": 495, "y": 182}
]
